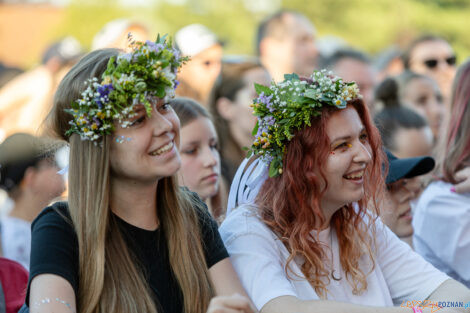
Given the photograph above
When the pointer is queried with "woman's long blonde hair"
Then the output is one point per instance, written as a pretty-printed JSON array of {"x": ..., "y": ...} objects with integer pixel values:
[{"x": 110, "y": 279}]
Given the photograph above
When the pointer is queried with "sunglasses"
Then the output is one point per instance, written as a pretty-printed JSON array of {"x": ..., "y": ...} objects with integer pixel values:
[{"x": 432, "y": 63}]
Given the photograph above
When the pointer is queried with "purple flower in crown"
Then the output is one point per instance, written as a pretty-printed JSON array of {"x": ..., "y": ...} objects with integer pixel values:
[
  {"x": 153, "y": 46},
  {"x": 176, "y": 54},
  {"x": 126, "y": 56},
  {"x": 269, "y": 120},
  {"x": 176, "y": 84},
  {"x": 97, "y": 121},
  {"x": 266, "y": 101},
  {"x": 103, "y": 97}
]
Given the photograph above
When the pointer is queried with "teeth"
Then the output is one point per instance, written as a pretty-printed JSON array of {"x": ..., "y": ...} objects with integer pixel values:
[
  {"x": 163, "y": 149},
  {"x": 355, "y": 176}
]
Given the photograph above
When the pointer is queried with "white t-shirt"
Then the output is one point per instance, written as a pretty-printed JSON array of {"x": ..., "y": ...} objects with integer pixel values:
[
  {"x": 16, "y": 240},
  {"x": 259, "y": 258},
  {"x": 442, "y": 230}
]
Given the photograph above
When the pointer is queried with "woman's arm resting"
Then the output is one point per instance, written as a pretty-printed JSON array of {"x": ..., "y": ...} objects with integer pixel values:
[
  {"x": 290, "y": 304},
  {"x": 451, "y": 290},
  {"x": 51, "y": 293},
  {"x": 228, "y": 289}
]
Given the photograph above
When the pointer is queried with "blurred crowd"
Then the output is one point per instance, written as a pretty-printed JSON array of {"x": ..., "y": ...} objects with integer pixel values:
[{"x": 413, "y": 95}]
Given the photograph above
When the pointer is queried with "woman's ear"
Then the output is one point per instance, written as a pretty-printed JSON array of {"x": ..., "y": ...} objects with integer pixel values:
[{"x": 225, "y": 108}]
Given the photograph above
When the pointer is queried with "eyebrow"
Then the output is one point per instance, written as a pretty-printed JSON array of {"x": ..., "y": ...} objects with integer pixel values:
[{"x": 348, "y": 137}]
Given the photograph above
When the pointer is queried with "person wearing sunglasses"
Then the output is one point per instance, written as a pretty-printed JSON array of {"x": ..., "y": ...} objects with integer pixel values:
[{"x": 432, "y": 56}]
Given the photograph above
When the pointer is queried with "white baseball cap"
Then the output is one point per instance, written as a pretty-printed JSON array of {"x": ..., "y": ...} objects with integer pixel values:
[{"x": 195, "y": 38}]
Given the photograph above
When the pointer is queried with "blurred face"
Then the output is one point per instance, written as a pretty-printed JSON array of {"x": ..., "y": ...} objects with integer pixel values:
[
  {"x": 202, "y": 69},
  {"x": 138, "y": 32},
  {"x": 242, "y": 119},
  {"x": 354, "y": 70},
  {"x": 423, "y": 96},
  {"x": 200, "y": 159},
  {"x": 146, "y": 150},
  {"x": 435, "y": 59},
  {"x": 349, "y": 157},
  {"x": 302, "y": 42},
  {"x": 412, "y": 142},
  {"x": 396, "y": 210},
  {"x": 294, "y": 49},
  {"x": 46, "y": 183}
]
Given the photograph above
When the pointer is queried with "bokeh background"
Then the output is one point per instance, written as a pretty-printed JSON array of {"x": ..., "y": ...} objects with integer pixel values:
[{"x": 27, "y": 27}]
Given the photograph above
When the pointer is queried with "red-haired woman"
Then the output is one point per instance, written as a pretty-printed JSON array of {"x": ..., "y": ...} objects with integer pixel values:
[
  {"x": 308, "y": 234},
  {"x": 442, "y": 218}
]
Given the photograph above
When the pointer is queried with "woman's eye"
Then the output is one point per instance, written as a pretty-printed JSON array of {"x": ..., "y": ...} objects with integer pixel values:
[
  {"x": 341, "y": 146},
  {"x": 422, "y": 100},
  {"x": 214, "y": 146},
  {"x": 165, "y": 106},
  {"x": 190, "y": 151},
  {"x": 363, "y": 137},
  {"x": 138, "y": 121}
]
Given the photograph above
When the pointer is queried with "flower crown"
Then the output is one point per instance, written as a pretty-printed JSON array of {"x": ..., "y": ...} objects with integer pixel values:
[
  {"x": 130, "y": 79},
  {"x": 289, "y": 105}
]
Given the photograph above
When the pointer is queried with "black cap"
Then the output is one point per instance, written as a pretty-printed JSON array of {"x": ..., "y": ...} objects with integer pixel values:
[{"x": 408, "y": 167}]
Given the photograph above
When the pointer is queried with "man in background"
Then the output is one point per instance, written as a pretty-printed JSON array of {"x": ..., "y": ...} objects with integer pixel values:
[
  {"x": 286, "y": 44},
  {"x": 354, "y": 65}
]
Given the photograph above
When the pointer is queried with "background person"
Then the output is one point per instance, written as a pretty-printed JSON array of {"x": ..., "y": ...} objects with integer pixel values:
[
  {"x": 285, "y": 43},
  {"x": 198, "y": 75},
  {"x": 402, "y": 188},
  {"x": 354, "y": 66},
  {"x": 115, "y": 34},
  {"x": 128, "y": 239},
  {"x": 28, "y": 172},
  {"x": 230, "y": 105},
  {"x": 421, "y": 93},
  {"x": 403, "y": 131},
  {"x": 432, "y": 56},
  {"x": 26, "y": 99},
  {"x": 200, "y": 158},
  {"x": 303, "y": 237},
  {"x": 442, "y": 218}
]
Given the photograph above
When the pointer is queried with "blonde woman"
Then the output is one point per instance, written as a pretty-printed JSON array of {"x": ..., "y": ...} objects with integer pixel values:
[{"x": 128, "y": 240}]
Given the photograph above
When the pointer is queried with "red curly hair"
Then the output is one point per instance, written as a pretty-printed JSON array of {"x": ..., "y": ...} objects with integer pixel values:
[{"x": 286, "y": 203}]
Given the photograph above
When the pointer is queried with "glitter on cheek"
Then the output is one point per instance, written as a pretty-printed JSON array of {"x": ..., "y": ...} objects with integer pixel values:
[{"x": 122, "y": 139}]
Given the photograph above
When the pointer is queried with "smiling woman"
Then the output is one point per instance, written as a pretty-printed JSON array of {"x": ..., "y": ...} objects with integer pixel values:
[
  {"x": 128, "y": 239},
  {"x": 312, "y": 232}
]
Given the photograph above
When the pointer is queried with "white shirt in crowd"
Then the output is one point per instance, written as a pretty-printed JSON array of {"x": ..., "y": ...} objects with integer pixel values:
[
  {"x": 259, "y": 258},
  {"x": 16, "y": 239},
  {"x": 442, "y": 230}
]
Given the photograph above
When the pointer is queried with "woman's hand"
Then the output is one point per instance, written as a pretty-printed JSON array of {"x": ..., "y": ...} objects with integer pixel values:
[
  {"x": 463, "y": 179},
  {"x": 231, "y": 304}
]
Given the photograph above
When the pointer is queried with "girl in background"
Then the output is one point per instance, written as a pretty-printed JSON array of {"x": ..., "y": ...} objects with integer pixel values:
[
  {"x": 421, "y": 93},
  {"x": 200, "y": 159},
  {"x": 231, "y": 109},
  {"x": 403, "y": 131}
]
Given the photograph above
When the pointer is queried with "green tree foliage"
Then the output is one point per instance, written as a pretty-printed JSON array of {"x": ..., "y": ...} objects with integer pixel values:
[{"x": 370, "y": 25}]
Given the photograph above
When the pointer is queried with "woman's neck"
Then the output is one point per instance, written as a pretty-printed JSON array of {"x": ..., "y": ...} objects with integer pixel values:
[{"x": 135, "y": 203}]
